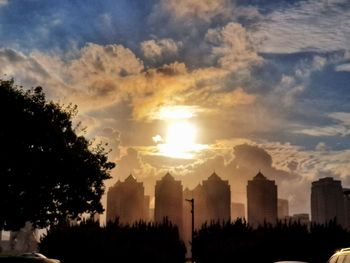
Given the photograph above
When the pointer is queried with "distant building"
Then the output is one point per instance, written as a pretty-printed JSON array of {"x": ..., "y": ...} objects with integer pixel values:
[
  {"x": 217, "y": 199},
  {"x": 346, "y": 192},
  {"x": 212, "y": 201},
  {"x": 126, "y": 201},
  {"x": 199, "y": 206},
  {"x": 169, "y": 200},
  {"x": 303, "y": 219},
  {"x": 282, "y": 209},
  {"x": 262, "y": 200},
  {"x": 237, "y": 211},
  {"x": 327, "y": 201}
]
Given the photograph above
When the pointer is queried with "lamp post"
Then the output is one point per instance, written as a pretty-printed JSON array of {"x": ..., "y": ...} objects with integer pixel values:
[{"x": 192, "y": 225}]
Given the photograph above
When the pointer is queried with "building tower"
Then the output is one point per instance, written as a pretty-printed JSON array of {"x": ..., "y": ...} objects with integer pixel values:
[
  {"x": 126, "y": 201},
  {"x": 262, "y": 200},
  {"x": 217, "y": 199},
  {"x": 327, "y": 201},
  {"x": 169, "y": 201}
]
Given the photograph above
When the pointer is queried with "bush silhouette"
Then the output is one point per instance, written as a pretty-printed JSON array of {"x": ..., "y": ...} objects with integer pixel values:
[
  {"x": 287, "y": 240},
  {"x": 140, "y": 242}
]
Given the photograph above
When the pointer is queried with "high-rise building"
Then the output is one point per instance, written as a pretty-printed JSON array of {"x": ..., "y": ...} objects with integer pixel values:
[
  {"x": 262, "y": 200},
  {"x": 217, "y": 199},
  {"x": 199, "y": 206},
  {"x": 282, "y": 209},
  {"x": 169, "y": 200},
  {"x": 327, "y": 201},
  {"x": 237, "y": 211},
  {"x": 346, "y": 192},
  {"x": 126, "y": 201},
  {"x": 212, "y": 201}
]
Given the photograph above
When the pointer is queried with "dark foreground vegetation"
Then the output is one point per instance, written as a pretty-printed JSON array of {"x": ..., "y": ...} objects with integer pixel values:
[
  {"x": 48, "y": 172},
  {"x": 237, "y": 242},
  {"x": 216, "y": 242},
  {"x": 141, "y": 242}
]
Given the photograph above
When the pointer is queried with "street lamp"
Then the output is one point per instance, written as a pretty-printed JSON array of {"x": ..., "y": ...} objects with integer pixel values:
[{"x": 192, "y": 225}]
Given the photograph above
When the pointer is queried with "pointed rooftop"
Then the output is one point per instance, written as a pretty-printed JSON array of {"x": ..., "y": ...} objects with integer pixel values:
[
  {"x": 130, "y": 179},
  {"x": 259, "y": 176},
  {"x": 117, "y": 183},
  {"x": 214, "y": 176},
  {"x": 168, "y": 177}
]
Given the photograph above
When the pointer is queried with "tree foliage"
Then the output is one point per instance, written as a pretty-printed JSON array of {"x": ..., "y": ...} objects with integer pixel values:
[
  {"x": 287, "y": 240},
  {"x": 139, "y": 242},
  {"x": 47, "y": 172}
]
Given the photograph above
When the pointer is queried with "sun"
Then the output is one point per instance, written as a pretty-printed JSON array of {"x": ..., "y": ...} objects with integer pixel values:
[{"x": 181, "y": 133}]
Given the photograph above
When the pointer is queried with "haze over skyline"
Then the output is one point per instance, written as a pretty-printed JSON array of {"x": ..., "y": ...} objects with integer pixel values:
[{"x": 195, "y": 86}]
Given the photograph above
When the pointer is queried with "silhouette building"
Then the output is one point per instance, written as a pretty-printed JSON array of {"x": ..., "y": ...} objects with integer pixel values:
[
  {"x": 237, "y": 211},
  {"x": 327, "y": 201},
  {"x": 126, "y": 201},
  {"x": 346, "y": 192},
  {"x": 282, "y": 208},
  {"x": 216, "y": 196},
  {"x": 199, "y": 207},
  {"x": 169, "y": 200},
  {"x": 262, "y": 200},
  {"x": 212, "y": 201}
]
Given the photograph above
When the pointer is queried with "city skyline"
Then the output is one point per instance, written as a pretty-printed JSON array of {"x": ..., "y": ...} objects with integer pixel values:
[
  {"x": 212, "y": 199},
  {"x": 193, "y": 87},
  {"x": 213, "y": 203}
]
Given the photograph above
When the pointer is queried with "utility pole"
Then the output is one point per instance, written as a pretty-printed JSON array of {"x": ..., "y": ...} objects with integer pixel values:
[{"x": 192, "y": 225}]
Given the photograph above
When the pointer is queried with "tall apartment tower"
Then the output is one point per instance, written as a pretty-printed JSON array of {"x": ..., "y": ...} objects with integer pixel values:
[
  {"x": 262, "y": 200},
  {"x": 327, "y": 201},
  {"x": 217, "y": 199},
  {"x": 169, "y": 200},
  {"x": 127, "y": 201},
  {"x": 199, "y": 206},
  {"x": 346, "y": 192}
]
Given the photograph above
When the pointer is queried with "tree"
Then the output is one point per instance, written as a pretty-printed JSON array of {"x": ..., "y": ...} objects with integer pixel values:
[{"x": 47, "y": 172}]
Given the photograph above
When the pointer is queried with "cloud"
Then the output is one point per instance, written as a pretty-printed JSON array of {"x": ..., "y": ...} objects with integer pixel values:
[
  {"x": 157, "y": 50},
  {"x": 343, "y": 67},
  {"x": 340, "y": 128},
  {"x": 310, "y": 25},
  {"x": 89, "y": 78},
  {"x": 232, "y": 99},
  {"x": 3, "y": 2},
  {"x": 191, "y": 10},
  {"x": 96, "y": 77},
  {"x": 321, "y": 146},
  {"x": 232, "y": 47}
]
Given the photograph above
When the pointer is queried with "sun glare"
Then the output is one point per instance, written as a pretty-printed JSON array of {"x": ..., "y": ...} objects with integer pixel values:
[
  {"x": 176, "y": 112},
  {"x": 181, "y": 133}
]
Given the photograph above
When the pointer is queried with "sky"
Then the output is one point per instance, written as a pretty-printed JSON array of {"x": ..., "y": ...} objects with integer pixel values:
[{"x": 192, "y": 87}]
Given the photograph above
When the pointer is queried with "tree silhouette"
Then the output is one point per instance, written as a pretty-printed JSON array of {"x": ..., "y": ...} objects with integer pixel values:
[
  {"x": 115, "y": 242},
  {"x": 47, "y": 172},
  {"x": 286, "y": 240}
]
